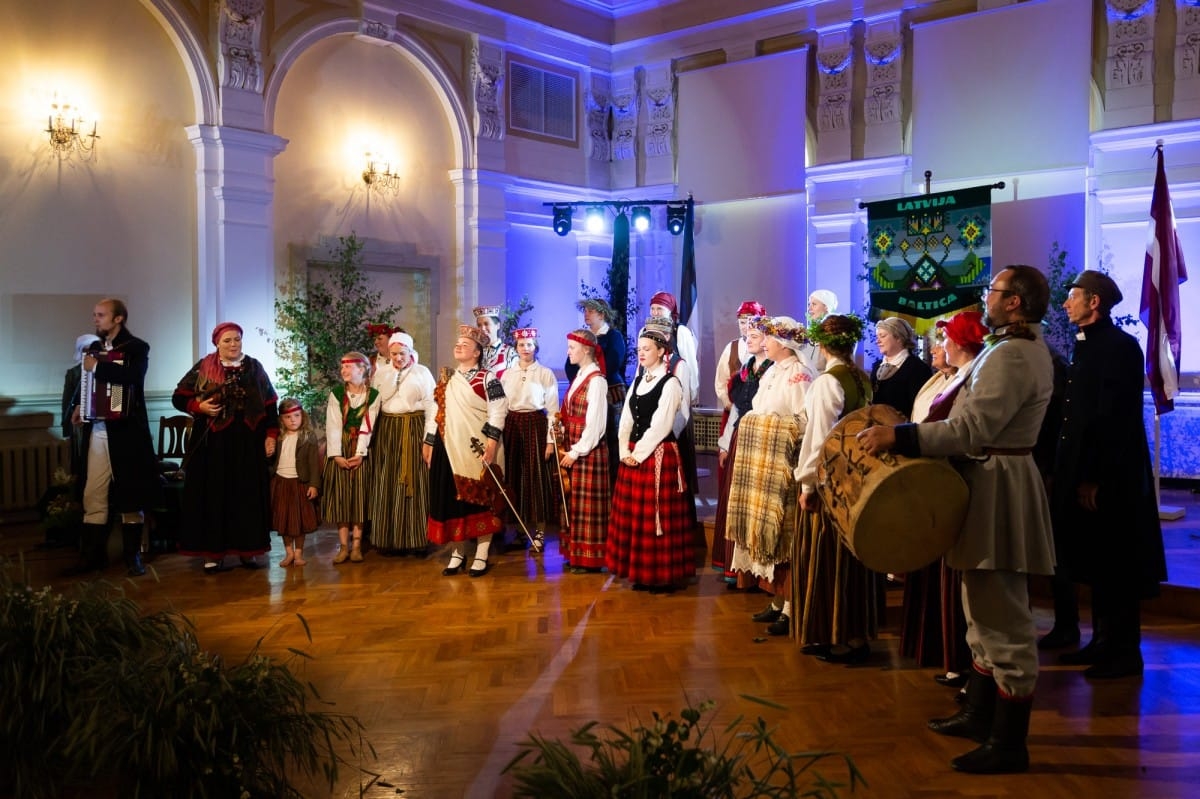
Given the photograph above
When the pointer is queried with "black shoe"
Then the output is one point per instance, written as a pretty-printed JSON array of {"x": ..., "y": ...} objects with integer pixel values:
[
  {"x": 249, "y": 563},
  {"x": 1059, "y": 637},
  {"x": 450, "y": 571},
  {"x": 476, "y": 571},
  {"x": 950, "y": 682},
  {"x": 767, "y": 615},
  {"x": 212, "y": 567},
  {"x": 780, "y": 626},
  {"x": 1114, "y": 668},
  {"x": 816, "y": 650},
  {"x": 847, "y": 654},
  {"x": 663, "y": 589},
  {"x": 1094, "y": 652}
]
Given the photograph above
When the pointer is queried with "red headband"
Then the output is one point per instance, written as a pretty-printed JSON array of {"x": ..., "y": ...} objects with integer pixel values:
[{"x": 597, "y": 353}]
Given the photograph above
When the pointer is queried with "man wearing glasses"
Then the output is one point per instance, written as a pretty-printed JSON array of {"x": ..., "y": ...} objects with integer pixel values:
[{"x": 990, "y": 432}]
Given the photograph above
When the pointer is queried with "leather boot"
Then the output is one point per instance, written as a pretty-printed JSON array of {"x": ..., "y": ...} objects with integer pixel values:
[
  {"x": 1004, "y": 751},
  {"x": 974, "y": 720},
  {"x": 131, "y": 546},
  {"x": 1123, "y": 656},
  {"x": 1095, "y": 650},
  {"x": 93, "y": 547}
]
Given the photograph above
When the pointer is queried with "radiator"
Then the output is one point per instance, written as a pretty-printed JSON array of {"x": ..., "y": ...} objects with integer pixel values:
[{"x": 26, "y": 471}]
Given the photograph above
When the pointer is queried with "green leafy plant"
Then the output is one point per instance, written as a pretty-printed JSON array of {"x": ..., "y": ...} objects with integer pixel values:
[
  {"x": 321, "y": 318},
  {"x": 94, "y": 693},
  {"x": 674, "y": 758},
  {"x": 513, "y": 318},
  {"x": 1056, "y": 327}
]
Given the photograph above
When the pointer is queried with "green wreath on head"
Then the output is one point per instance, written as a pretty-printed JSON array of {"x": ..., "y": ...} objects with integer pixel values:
[{"x": 841, "y": 341}]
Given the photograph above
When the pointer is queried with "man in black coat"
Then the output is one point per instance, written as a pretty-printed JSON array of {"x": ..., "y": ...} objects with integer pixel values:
[
  {"x": 1106, "y": 525},
  {"x": 121, "y": 468}
]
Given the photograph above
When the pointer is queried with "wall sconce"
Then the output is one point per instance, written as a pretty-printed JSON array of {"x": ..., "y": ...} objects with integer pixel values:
[
  {"x": 65, "y": 126},
  {"x": 377, "y": 179}
]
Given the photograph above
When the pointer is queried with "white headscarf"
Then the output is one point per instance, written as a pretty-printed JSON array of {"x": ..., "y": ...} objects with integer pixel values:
[
  {"x": 826, "y": 298},
  {"x": 400, "y": 337}
]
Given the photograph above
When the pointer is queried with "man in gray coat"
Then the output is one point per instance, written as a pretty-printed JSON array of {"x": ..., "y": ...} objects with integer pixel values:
[{"x": 990, "y": 433}]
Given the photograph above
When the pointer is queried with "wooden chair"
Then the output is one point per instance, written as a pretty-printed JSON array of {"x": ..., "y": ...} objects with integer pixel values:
[{"x": 174, "y": 433}]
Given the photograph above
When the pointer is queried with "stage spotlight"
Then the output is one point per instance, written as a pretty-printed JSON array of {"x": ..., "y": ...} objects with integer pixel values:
[
  {"x": 595, "y": 219},
  {"x": 562, "y": 219},
  {"x": 676, "y": 216},
  {"x": 641, "y": 218}
]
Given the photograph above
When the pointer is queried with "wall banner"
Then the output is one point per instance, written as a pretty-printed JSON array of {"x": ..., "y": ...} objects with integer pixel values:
[{"x": 929, "y": 255}]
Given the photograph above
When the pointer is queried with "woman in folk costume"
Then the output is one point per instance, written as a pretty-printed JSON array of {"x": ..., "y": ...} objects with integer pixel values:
[
  {"x": 683, "y": 362},
  {"x": 350, "y": 417},
  {"x": 762, "y": 495},
  {"x": 226, "y": 507},
  {"x": 399, "y": 494},
  {"x": 821, "y": 303},
  {"x": 584, "y": 422},
  {"x": 468, "y": 415},
  {"x": 742, "y": 388},
  {"x": 836, "y": 595},
  {"x": 497, "y": 356},
  {"x": 598, "y": 317},
  {"x": 899, "y": 373},
  {"x": 650, "y": 537},
  {"x": 933, "y": 617},
  {"x": 532, "y": 393},
  {"x": 381, "y": 359}
]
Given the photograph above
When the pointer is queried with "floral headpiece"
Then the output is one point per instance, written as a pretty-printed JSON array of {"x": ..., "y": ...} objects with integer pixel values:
[
  {"x": 851, "y": 335},
  {"x": 785, "y": 329},
  {"x": 381, "y": 330}
]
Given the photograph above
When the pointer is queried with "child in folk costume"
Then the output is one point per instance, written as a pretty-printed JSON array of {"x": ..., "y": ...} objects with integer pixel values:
[
  {"x": 532, "y": 393},
  {"x": 295, "y": 474},
  {"x": 349, "y": 421},
  {"x": 468, "y": 415},
  {"x": 650, "y": 540},
  {"x": 399, "y": 493},
  {"x": 584, "y": 422}
]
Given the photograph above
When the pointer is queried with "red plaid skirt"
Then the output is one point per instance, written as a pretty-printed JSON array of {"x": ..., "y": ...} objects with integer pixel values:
[{"x": 635, "y": 550}]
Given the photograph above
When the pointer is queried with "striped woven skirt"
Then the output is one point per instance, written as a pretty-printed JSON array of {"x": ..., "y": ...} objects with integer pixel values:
[
  {"x": 527, "y": 472},
  {"x": 399, "y": 496},
  {"x": 344, "y": 491},
  {"x": 835, "y": 595},
  {"x": 292, "y": 512},
  {"x": 649, "y": 497}
]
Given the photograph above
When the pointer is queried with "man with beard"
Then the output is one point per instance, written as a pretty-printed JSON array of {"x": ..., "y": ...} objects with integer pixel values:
[
  {"x": 120, "y": 463},
  {"x": 990, "y": 432}
]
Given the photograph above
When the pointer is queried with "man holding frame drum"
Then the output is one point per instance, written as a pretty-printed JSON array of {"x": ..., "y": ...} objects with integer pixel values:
[{"x": 990, "y": 432}]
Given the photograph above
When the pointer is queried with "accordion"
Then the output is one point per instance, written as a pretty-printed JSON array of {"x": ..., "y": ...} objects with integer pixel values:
[{"x": 100, "y": 401}]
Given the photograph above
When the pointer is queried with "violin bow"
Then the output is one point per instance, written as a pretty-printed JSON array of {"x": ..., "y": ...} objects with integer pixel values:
[{"x": 555, "y": 429}]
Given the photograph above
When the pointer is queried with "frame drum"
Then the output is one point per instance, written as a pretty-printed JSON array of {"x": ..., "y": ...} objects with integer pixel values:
[{"x": 896, "y": 514}]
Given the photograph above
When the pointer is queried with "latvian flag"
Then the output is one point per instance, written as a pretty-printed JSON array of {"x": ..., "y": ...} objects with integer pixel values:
[{"x": 1164, "y": 272}]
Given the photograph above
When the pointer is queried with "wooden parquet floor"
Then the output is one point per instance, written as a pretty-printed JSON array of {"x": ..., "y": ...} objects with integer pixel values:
[{"x": 448, "y": 674}]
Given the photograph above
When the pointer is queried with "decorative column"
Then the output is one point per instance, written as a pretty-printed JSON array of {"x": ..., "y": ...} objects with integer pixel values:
[
  {"x": 658, "y": 134},
  {"x": 487, "y": 90},
  {"x": 235, "y": 277},
  {"x": 1129, "y": 63},
  {"x": 625, "y": 105},
  {"x": 883, "y": 51},
  {"x": 835, "y": 71},
  {"x": 240, "y": 62},
  {"x": 1186, "y": 103}
]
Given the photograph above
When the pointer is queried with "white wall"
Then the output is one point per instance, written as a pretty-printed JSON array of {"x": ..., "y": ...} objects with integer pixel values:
[{"x": 123, "y": 225}]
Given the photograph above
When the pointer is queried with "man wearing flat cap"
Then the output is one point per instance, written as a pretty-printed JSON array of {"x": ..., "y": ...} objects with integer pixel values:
[{"x": 1107, "y": 532}]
